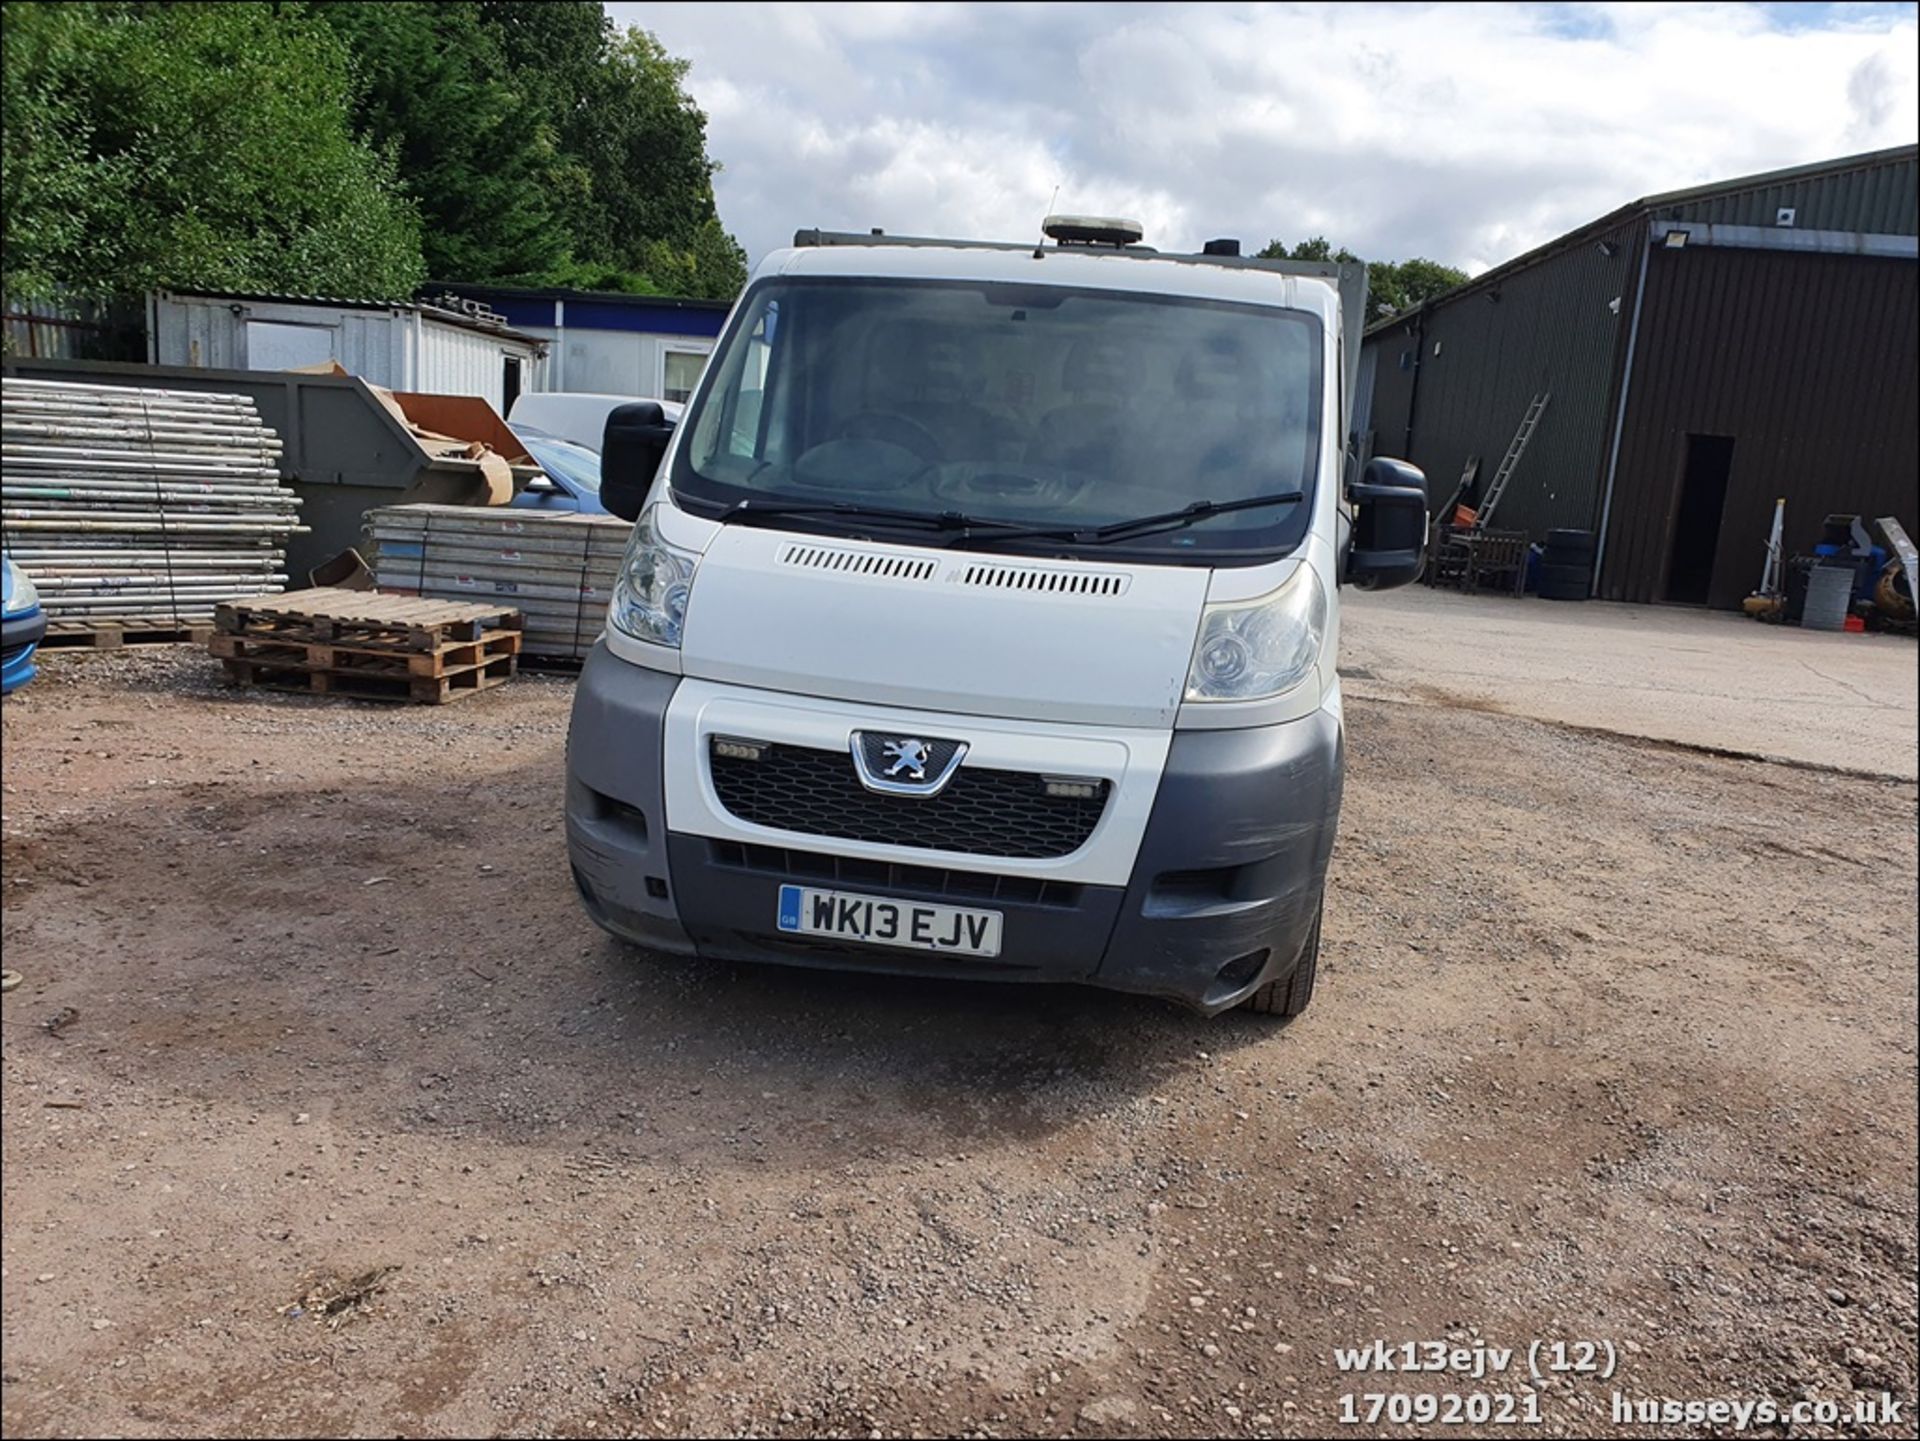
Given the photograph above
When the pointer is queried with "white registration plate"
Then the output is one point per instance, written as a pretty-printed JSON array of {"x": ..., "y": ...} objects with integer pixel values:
[{"x": 877, "y": 921}]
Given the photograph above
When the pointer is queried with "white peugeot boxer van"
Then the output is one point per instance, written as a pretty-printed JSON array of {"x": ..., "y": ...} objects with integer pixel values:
[{"x": 980, "y": 618}]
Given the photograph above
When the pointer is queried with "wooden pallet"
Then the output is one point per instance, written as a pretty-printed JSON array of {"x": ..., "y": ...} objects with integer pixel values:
[
  {"x": 366, "y": 620},
  {"x": 359, "y": 685},
  {"x": 113, "y": 634},
  {"x": 281, "y": 652}
]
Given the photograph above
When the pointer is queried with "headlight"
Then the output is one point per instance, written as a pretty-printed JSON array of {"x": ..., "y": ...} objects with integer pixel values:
[
  {"x": 26, "y": 595},
  {"x": 1249, "y": 650},
  {"x": 650, "y": 599}
]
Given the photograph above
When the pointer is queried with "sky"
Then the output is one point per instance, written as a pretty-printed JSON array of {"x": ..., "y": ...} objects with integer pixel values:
[{"x": 1464, "y": 133}]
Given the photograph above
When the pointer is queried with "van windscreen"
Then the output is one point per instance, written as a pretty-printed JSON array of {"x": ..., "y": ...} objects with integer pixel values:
[{"x": 1018, "y": 404}]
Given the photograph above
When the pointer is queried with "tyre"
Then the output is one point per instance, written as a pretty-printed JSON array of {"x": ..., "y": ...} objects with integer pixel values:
[
  {"x": 1288, "y": 996},
  {"x": 1565, "y": 577},
  {"x": 1571, "y": 543}
]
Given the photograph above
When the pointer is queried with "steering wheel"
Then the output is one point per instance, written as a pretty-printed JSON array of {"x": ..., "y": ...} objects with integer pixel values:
[{"x": 893, "y": 428}]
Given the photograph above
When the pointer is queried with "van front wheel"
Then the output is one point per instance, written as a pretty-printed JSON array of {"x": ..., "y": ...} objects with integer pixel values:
[{"x": 1288, "y": 996}]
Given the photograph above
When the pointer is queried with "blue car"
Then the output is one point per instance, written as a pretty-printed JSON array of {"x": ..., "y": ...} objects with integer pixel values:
[
  {"x": 572, "y": 479},
  {"x": 22, "y": 624}
]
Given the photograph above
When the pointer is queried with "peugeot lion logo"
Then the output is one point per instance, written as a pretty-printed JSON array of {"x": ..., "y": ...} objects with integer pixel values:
[
  {"x": 909, "y": 756},
  {"x": 897, "y": 765}
]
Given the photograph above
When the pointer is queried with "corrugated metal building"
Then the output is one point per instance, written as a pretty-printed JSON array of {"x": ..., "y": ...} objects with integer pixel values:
[
  {"x": 402, "y": 346},
  {"x": 1704, "y": 351},
  {"x": 609, "y": 344},
  {"x": 74, "y": 328}
]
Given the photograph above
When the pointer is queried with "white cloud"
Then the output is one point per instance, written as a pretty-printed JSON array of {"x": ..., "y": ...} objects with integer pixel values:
[{"x": 1465, "y": 133}]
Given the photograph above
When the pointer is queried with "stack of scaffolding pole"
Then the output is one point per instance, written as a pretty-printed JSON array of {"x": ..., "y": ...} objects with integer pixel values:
[
  {"x": 140, "y": 505},
  {"x": 558, "y": 569}
]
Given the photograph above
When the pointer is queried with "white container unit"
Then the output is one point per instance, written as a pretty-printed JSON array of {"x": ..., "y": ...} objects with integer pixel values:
[{"x": 403, "y": 347}]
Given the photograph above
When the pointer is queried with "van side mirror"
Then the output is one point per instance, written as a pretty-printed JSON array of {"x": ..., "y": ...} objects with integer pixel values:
[
  {"x": 630, "y": 450},
  {"x": 1389, "y": 542}
]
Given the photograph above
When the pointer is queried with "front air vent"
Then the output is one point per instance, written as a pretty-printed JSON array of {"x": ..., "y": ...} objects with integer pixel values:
[
  {"x": 1055, "y": 582},
  {"x": 857, "y": 562}
]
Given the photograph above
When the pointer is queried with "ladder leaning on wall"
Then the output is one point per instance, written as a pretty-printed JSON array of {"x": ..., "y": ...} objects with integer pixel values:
[{"x": 1497, "y": 487}]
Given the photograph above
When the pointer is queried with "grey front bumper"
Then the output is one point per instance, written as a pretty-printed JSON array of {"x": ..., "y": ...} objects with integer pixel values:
[
  {"x": 1223, "y": 898},
  {"x": 616, "y": 800}
]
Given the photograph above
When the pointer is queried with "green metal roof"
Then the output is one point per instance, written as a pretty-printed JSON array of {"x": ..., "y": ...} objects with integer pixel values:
[{"x": 1876, "y": 193}]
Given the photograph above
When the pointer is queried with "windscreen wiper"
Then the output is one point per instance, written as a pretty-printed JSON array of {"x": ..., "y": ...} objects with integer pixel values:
[
  {"x": 1147, "y": 524},
  {"x": 750, "y": 510}
]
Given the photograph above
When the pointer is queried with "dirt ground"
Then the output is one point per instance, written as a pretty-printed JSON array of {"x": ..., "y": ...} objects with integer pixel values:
[{"x": 1614, "y": 1042}]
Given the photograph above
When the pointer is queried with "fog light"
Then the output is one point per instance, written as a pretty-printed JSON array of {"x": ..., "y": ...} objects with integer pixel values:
[
  {"x": 1241, "y": 969},
  {"x": 738, "y": 750},
  {"x": 1066, "y": 789}
]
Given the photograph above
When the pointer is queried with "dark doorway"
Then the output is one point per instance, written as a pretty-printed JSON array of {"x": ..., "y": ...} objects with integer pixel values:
[
  {"x": 1696, "y": 528},
  {"x": 509, "y": 384}
]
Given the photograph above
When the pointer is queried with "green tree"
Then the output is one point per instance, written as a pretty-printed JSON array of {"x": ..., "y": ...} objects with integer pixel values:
[
  {"x": 433, "y": 88},
  {"x": 1420, "y": 280},
  {"x": 552, "y": 49},
  {"x": 553, "y": 46},
  {"x": 1316, "y": 248},
  {"x": 633, "y": 148},
  {"x": 300, "y": 147},
  {"x": 46, "y": 174},
  {"x": 190, "y": 144},
  {"x": 1392, "y": 286}
]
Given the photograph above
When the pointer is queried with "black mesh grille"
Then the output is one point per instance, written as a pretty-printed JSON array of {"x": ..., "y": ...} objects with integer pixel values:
[{"x": 982, "y": 812}]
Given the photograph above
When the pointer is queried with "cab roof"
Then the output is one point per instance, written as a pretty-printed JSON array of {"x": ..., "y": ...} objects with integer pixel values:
[{"x": 1134, "y": 269}]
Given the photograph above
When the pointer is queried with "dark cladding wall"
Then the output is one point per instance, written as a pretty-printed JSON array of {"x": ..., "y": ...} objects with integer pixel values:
[
  {"x": 1553, "y": 328},
  {"x": 1808, "y": 362},
  {"x": 1392, "y": 372},
  {"x": 1874, "y": 199}
]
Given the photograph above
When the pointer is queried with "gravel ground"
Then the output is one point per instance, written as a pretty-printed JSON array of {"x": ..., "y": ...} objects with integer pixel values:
[
  {"x": 1614, "y": 1043},
  {"x": 1712, "y": 679}
]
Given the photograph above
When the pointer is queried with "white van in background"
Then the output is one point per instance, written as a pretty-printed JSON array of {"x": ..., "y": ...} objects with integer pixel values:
[
  {"x": 980, "y": 619},
  {"x": 576, "y": 415}
]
